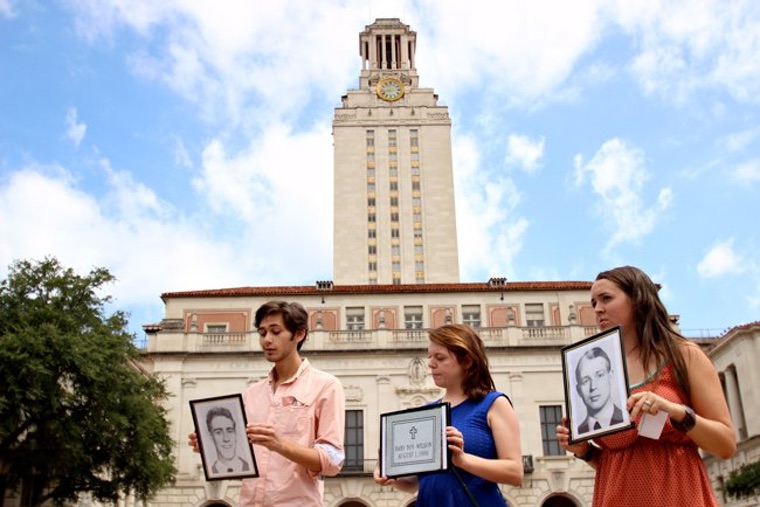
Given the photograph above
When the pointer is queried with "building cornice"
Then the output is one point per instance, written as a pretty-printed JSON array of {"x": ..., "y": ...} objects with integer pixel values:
[{"x": 428, "y": 288}]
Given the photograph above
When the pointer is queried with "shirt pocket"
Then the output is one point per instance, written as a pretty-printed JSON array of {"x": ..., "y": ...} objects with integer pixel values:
[{"x": 296, "y": 422}]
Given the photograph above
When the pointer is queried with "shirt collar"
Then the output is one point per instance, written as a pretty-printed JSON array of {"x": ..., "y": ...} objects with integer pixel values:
[{"x": 301, "y": 368}]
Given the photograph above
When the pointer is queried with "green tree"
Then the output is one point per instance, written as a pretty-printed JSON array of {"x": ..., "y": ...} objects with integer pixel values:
[{"x": 77, "y": 412}]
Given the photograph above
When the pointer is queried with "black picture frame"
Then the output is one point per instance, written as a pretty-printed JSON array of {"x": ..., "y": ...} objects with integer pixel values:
[
  {"x": 211, "y": 413},
  {"x": 584, "y": 393},
  {"x": 413, "y": 441}
]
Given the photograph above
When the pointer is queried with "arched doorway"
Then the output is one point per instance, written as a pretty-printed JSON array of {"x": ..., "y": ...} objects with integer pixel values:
[{"x": 559, "y": 501}]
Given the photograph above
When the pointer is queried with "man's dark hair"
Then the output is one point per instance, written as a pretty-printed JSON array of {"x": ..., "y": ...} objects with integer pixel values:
[
  {"x": 294, "y": 316},
  {"x": 218, "y": 412},
  {"x": 591, "y": 354}
]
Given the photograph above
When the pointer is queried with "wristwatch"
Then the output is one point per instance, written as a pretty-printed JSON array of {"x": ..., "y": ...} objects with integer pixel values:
[{"x": 688, "y": 423}]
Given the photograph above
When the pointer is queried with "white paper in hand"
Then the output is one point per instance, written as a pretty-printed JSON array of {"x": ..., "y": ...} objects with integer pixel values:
[{"x": 651, "y": 426}]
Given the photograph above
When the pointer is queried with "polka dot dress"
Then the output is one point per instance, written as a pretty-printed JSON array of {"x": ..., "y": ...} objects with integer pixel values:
[{"x": 638, "y": 471}]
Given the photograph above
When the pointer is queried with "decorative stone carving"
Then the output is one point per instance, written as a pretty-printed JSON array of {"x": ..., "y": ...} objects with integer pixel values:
[
  {"x": 417, "y": 371},
  {"x": 410, "y": 398},
  {"x": 353, "y": 393}
]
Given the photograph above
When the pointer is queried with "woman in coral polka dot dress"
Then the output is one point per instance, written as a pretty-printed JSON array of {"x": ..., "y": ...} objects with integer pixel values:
[{"x": 667, "y": 374}]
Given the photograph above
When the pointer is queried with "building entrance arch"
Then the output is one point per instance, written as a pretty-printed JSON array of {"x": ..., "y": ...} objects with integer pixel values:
[{"x": 560, "y": 500}]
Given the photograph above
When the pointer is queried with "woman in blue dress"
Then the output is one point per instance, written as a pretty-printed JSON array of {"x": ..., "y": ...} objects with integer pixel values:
[{"x": 484, "y": 436}]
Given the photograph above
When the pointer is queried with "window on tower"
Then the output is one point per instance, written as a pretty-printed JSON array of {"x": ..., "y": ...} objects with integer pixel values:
[{"x": 414, "y": 140}]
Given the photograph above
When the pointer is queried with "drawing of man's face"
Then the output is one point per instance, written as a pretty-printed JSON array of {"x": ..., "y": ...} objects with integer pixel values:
[
  {"x": 223, "y": 430},
  {"x": 594, "y": 379}
]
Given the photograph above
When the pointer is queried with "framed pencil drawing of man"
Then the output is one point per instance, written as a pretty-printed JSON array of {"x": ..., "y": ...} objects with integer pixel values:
[{"x": 220, "y": 426}]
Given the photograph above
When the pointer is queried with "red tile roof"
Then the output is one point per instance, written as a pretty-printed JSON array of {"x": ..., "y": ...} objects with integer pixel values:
[{"x": 427, "y": 288}]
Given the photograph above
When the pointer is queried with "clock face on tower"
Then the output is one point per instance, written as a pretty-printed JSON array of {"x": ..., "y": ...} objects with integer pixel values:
[{"x": 390, "y": 89}]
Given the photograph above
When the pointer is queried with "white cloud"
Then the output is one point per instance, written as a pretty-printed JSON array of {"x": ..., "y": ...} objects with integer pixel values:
[
  {"x": 691, "y": 45},
  {"x": 737, "y": 141},
  {"x": 75, "y": 130},
  {"x": 617, "y": 174},
  {"x": 152, "y": 248},
  {"x": 6, "y": 9},
  {"x": 490, "y": 233},
  {"x": 665, "y": 198},
  {"x": 241, "y": 63},
  {"x": 525, "y": 152},
  {"x": 128, "y": 229},
  {"x": 720, "y": 260},
  {"x": 748, "y": 171},
  {"x": 279, "y": 189},
  {"x": 181, "y": 156}
]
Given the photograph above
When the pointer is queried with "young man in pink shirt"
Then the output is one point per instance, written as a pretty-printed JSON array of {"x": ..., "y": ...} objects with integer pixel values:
[{"x": 295, "y": 416}]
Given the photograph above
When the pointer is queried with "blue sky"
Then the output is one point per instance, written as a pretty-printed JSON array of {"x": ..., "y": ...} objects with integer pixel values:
[{"x": 187, "y": 144}]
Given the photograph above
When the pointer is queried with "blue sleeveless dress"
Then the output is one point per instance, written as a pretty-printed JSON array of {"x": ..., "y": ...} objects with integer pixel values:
[{"x": 443, "y": 489}]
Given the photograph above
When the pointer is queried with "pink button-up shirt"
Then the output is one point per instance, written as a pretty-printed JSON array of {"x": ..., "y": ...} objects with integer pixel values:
[{"x": 309, "y": 409}]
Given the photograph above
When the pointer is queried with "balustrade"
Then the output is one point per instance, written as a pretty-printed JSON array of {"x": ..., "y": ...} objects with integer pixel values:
[{"x": 368, "y": 339}]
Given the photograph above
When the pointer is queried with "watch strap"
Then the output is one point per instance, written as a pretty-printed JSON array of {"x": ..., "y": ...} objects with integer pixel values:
[{"x": 688, "y": 422}]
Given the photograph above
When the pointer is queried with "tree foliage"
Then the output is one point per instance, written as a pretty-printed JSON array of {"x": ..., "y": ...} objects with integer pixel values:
[
  {"x": 744, "y": 481},
  {"x": 77, "y": 412}
]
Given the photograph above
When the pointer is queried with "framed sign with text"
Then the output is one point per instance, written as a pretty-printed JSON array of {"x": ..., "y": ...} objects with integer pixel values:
[{"x": 413, "y": 441}]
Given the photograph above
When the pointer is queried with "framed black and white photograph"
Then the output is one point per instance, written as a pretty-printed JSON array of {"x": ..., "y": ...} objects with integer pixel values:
[
  {"x": 220, "y": 427},
  {"x": 413, "y": 441},
  {"x": 596, "y": 386}
]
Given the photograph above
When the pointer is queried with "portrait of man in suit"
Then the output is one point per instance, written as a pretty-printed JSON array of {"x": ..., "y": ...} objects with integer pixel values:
[
  {"x": 594, "y": 383},
  {"x": 221, "y": 425}
]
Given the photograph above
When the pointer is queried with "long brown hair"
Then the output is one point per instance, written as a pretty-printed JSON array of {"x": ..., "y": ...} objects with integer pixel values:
[
  {"x": 657, "y": 337},
  {"x": 465, "y": 344}
]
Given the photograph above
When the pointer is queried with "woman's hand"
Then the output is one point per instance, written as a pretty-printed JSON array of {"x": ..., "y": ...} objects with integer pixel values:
[
  {"x": 381, "y": 479},
  {"x": 455, "y": 441},
  {"x": 647, "y": 402},
  {"x": 407, "y": 484},
  {"x": 563, "y": 437}
]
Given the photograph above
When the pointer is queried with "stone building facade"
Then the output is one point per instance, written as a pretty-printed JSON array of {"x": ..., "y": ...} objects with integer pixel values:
[{"x": 396, "y": 276}]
